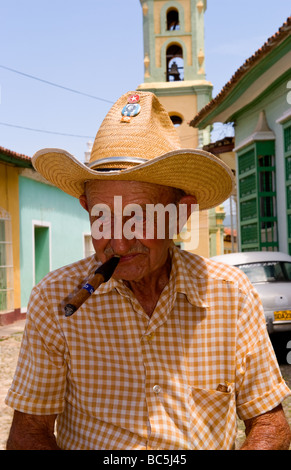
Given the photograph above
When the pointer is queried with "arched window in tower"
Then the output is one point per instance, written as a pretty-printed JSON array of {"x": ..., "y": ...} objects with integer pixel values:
[
  {"x": 175, "y": 63},
  {"x": 176, "y": 119},
  {"x": 173, "y": 19}
]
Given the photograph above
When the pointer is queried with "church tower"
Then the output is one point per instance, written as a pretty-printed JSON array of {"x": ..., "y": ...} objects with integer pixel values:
[{"x": 173, "y": 32}]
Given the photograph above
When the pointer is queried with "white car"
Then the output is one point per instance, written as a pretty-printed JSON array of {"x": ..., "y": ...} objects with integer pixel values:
[{"x": 270, "y": 273}]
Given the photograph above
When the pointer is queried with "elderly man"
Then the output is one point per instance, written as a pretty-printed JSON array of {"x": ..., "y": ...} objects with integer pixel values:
[{"x": 169, "y": 350}]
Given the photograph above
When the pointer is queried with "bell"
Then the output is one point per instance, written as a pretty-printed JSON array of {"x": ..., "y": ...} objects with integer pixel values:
[{"x": 174, "y": 71}]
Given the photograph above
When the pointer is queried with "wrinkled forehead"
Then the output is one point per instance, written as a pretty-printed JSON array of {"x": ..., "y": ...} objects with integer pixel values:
[{"x": 131, "y": 192}]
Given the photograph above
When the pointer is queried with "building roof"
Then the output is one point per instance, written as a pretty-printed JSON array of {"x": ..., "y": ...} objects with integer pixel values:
[
  {"x": 227, "y": 231},
  {"x": 220, "y": 146},
  {"x": 269, "y": 46},
  {"x": 16, "y": 158}
]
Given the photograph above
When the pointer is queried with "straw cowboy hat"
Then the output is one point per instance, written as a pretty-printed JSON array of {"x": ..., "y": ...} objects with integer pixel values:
[{"x": 137, "y": 141}]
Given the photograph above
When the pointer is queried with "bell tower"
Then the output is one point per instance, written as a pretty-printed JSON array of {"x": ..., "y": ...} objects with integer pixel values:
[{"x": 173, "y": 32}]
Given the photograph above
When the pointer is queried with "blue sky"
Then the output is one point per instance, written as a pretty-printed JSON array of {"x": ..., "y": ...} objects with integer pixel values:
[{"x": 96, "y": 47}]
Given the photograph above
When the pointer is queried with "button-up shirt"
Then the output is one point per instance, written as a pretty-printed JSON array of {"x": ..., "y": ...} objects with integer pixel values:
[{"x": 118, "y": 379}]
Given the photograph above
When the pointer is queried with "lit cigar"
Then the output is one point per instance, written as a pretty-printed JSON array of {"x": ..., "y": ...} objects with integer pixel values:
[{"x": 102, "y": 274}]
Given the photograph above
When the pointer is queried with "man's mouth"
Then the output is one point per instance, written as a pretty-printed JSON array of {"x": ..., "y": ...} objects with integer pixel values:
[{"x": 125, "y": 258}]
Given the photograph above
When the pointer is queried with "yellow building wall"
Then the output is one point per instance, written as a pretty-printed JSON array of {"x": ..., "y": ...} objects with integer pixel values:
[
  {"x": 183, "y": 106},
  {"x": 228, "y": 247},
  {"x": 9, "y": 201}
]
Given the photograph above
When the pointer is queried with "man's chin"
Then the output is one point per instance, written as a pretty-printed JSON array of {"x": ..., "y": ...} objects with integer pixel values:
[
  {"x": 126, "y": 273},
  {"x": 126, "y": 276}
]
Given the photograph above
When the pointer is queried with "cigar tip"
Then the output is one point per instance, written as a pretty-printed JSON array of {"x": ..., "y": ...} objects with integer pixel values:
[{"x": 69, "y": 310}]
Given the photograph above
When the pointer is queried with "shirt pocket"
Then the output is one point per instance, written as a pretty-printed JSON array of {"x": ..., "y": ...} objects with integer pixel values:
[{"x": 212, "y": 418}]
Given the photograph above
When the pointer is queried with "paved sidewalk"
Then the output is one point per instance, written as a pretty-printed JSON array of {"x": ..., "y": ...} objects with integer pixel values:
[
  {"x": 10, "y": 340},
  {"x": 8, "y": 330}
]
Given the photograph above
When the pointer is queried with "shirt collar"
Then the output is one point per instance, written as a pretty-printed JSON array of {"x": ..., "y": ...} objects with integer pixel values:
[
  {"x": 186, "y": 278},
  {"x": 182, "y": 280}
]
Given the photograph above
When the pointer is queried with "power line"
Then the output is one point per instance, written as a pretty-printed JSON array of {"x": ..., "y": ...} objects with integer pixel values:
[
  {"x": 45, "y": 131},
  {"x": 54, "y": 84}
]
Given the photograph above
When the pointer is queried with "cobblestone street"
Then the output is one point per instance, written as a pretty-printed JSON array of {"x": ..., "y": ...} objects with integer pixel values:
[
  {"x": 10, "y": 339},
  {"x": 9, "y": 348}
]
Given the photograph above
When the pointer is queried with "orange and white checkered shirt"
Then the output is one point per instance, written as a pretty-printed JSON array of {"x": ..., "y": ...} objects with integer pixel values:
[{"x": 120, "y": 380}]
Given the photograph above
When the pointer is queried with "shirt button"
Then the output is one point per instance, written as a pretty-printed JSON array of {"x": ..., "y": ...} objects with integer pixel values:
[
  {"x": 157, "y": 389},
  {"x": 149, "y": 337}
]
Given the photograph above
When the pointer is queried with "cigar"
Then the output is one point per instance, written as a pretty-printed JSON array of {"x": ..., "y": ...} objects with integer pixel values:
[{"x": 102, "y": 274}]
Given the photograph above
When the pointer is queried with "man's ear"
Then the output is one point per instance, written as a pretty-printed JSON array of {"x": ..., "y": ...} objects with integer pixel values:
[{"x": 84, "y": 203}]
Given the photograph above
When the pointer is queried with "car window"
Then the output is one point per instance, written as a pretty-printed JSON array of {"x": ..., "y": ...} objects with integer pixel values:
[
  {"x": 287, "y": 268},
  {"x": 269, "y": 271}
]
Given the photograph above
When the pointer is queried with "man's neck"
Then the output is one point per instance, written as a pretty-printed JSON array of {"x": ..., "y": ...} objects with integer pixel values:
[{"x": 148, "y": 290}]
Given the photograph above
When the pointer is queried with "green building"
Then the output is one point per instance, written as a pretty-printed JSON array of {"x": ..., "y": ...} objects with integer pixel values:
[
  {"x": 54, "y": 230},
  {"x": 258, "y": 101}
]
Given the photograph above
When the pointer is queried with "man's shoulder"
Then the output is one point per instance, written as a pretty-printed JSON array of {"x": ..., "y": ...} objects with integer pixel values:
[{"x": 203, "y": 268}]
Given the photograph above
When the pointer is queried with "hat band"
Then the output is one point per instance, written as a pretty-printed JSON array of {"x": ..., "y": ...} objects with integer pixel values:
[{"x": 114, "y": 161}]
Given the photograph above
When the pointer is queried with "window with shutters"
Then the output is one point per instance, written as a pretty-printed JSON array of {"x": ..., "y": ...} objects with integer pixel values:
[{"x": 257, "y": 197}]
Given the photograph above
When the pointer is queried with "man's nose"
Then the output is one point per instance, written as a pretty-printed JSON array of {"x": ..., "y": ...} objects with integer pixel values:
[{"x": 121, "y": 245}]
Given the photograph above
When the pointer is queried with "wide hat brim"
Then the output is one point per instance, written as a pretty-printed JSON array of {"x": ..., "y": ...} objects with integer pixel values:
[{"x": 195, "y": 171}]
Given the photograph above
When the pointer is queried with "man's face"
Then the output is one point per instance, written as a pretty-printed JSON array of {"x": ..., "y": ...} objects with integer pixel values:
[{"x": 139, "y": 256}]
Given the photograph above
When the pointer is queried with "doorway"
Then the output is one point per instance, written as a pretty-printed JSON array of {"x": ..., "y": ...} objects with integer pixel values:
[{"x": 41, "y": 252}]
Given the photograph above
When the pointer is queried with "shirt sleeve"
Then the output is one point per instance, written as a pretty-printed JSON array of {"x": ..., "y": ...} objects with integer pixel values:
[
  {"x": 259, "y": 385},
  {"x": 39, "y": 382}
]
